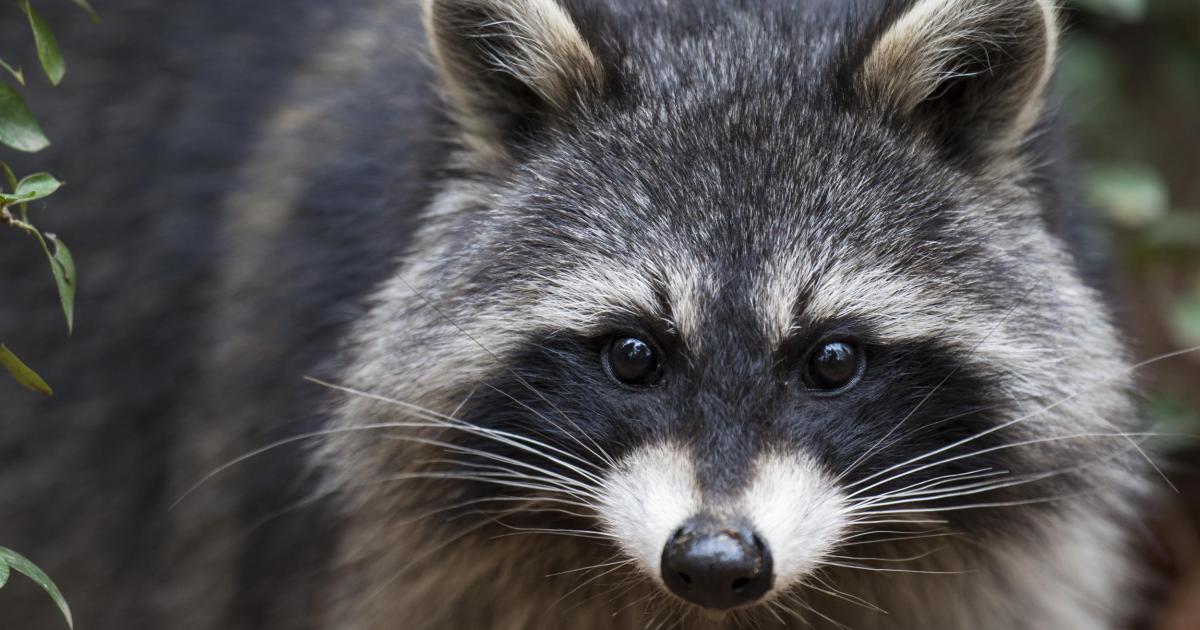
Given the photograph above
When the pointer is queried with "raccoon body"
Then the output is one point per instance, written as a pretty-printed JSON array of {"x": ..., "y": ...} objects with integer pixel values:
[{"x": 624, "y": 314}]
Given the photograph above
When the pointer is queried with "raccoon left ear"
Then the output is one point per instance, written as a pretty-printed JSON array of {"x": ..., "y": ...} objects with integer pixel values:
[
  {"x": 507, "y": 65},
  {"x": 974, "y": 70}
]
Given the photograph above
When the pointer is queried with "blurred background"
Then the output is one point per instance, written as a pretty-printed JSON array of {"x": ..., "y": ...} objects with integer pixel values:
[{"x": 1130, "y": 79}]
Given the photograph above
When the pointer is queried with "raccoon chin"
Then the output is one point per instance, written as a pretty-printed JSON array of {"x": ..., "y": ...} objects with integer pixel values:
[{"x": 723, "y": 553}]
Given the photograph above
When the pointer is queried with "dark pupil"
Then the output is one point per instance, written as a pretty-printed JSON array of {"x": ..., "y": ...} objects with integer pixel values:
[
  {"x": 632, "y": 360},
  {"x": 833, "y": 365}
]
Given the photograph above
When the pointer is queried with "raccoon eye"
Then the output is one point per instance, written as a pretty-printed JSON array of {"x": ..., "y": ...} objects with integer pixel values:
[
  {"x": 632, "y": 361},
  {"x": 833, "y": 366}
]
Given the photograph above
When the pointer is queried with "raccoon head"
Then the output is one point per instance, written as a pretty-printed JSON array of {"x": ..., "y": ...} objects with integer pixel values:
[{"x": 736, "y": 290}]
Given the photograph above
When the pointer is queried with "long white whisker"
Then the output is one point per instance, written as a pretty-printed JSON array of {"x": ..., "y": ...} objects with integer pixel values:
[
  {"x": 937, "y": 387},
  {"x": 1005, "y": 425},
  {"x": 930, "y": 485},
  {"x": 508, "y": 438},
  {"x": 893, "y": 570},
  {"x": 833, "y": 592},
  {"x": 490, "y": 456},
  {"x": 484, "y": 479},
  {"x": 818, "y": 613},
  {"x": 975, "y": 506},
  {"x": 599, "y": 452},
  {"x": 581, "y": 488},
  {"x": 991, "y": 449},
  {"x": 583, "y": 584},
  {"x": 608, "y": 563},
  {"x": 909, "y": 559}
]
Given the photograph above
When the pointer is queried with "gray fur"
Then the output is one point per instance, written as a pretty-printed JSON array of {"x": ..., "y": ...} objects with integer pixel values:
[{"x": 727, "y": 173}]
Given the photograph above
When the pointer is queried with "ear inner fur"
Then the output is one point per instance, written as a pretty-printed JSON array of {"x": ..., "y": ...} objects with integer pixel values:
[
  {"x": 500, "y": 60},
  {"x": 1002, "y": 51}
]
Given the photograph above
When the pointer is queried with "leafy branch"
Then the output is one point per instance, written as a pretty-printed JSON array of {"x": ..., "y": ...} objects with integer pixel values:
[{"x": 19, "y": 130}]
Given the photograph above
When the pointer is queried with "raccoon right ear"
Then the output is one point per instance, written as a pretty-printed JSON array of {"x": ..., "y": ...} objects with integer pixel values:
[
  {"x": 973, "y": 71},
  {"x": 505, "y": 65}
]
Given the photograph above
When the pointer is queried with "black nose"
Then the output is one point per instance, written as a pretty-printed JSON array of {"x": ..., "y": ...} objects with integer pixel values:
[{"x": 717, "y": 566}]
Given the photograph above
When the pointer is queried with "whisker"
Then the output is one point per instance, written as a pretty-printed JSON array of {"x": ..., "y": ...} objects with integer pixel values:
[
  {"x": 475, "y": 430},
  {"x": 839, "y": 594},
  {"x": 906, "y": 538},
  {"x": 1012, "y": 309},
  {"x": 909, "y": 559},
  {"x": 991, "y": 449},
  {"x": 883, "y": 532},
  {"x": 508, "y": 438},
  {"x": 928, "y": 486},
  {"x": 599, "y": 452},
  {"x": 486, "y": 480},
  {"x": 578, "y": 533},
  {"x": 607, "y": 563},
  {"x": 633, "y": 603},
  {"x": 795, "y": 600},
  {"x": 559, "y": 480},
  {"x": 801, "y": 603},
  {"x": 1004, "y": 425},
  {"x": 978, "y": 505},
  {"x": 899, "y": 521},
  {"x": 894, "y": 570},
  {"x": 584, "y": 584}
]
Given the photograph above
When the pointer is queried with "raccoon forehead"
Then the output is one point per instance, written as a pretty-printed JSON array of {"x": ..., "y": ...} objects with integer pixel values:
[{"x": 689, "y": 293}]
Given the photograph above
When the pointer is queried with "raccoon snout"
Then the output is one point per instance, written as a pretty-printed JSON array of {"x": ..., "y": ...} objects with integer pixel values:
[{"x": 717, "y": 565}]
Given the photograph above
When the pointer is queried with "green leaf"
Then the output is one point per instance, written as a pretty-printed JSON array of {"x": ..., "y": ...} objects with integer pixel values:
[
  {"x": 24, "y": 375},
  {"x": 9, "y": 176},
  {"x": 3, "y": 574},
  {"x": 47, "y": 45},
  {"x": 18, "y": 128},
  {"x": 32, "y": 188},
  {"x": 17, "y": 73},
  {"x": 31, "y": 571},
  {"x": 87, "y": 6},
  {"x": 36, "y": 186},
  {"x": 62, "y": 265}
]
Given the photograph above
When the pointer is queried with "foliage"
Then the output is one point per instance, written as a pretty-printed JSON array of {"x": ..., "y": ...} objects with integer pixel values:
[
  {"x": 1131, "y": 78},
  {"x": 19, "y": 130}
]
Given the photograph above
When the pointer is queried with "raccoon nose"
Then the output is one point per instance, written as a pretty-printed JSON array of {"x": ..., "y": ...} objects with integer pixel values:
[{"x": 717, "y": 566}]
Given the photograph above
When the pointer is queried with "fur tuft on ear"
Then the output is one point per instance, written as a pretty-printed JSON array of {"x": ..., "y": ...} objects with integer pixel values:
[
  {"x": 974, "y": 69},
  {"x": 505, "y": 63}
]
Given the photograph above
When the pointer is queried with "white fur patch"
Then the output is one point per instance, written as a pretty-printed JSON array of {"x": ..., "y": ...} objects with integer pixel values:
[
  {"x": 647, "y": 498},
  {"x": 796, "y": 509},
  {"x": 793, "y": 506}
]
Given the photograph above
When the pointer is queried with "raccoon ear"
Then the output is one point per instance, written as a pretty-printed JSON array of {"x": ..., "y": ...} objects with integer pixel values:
[
  {"x": 974, "y": 70},
  {"x": 506, "y": 64}
]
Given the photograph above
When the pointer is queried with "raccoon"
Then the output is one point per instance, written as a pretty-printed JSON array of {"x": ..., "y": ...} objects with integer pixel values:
[{"x": 713, "y": 314}]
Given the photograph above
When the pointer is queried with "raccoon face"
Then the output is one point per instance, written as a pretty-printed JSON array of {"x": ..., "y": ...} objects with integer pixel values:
[{"x": 735, "y": 302}]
